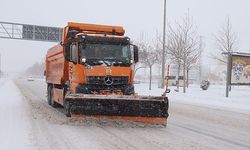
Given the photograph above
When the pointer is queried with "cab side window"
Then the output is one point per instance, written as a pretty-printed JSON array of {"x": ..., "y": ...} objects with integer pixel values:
[{"x": 73, "y": 49}]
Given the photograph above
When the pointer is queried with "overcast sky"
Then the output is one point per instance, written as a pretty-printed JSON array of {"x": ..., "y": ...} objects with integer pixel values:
[{"x": 136, "y": 16}]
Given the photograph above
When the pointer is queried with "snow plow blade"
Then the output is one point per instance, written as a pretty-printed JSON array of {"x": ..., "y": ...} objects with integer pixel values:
[{"x": 148, "y": 109}]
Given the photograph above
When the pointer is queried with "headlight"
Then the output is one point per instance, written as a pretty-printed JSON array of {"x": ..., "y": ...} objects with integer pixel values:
[{"x": 83, "y": 60}]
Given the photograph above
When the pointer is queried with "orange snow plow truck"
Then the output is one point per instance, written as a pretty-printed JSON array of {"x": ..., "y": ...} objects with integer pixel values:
[{"x": 90, "y": 73}]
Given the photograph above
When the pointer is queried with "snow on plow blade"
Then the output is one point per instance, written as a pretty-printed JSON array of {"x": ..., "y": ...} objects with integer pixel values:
[{"x": 150, "y": 109}]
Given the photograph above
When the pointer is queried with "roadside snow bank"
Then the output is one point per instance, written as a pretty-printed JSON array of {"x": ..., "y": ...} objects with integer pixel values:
[
  {"x": 15, "y": 130},
  {"x": 2, "y": 80}
]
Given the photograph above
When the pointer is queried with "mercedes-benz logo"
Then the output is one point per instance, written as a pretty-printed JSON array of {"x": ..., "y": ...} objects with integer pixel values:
[{"x": 108, "y": 80}]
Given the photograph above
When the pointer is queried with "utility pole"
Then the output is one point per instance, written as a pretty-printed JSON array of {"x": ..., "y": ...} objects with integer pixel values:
[
  {"x": 0, "y": 66},
  {"x": 200, "y": 62},
  {"x": 163, "y": 47},
  {"x": 229, "y": 67}
]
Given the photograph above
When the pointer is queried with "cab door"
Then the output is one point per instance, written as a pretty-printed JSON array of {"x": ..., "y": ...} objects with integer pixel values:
[
  {"x": 72, "y": 66},
  {"x": 76, "y": 69}
]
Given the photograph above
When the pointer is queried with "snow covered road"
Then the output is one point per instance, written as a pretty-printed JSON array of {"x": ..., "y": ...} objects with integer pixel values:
[
  {"x": 15, "y": 130},
  {"x": 27, "y": 122}
]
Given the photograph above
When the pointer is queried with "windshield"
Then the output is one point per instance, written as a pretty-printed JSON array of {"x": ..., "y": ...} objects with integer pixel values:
[{"x": 105, "y": 52}]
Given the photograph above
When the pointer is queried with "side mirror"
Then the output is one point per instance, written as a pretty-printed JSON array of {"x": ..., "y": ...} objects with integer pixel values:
[
  {"x": 136, "y": 54},
  {"x": 67, "y": 51},
  {"x": 81, "y": 38},
  {"x": 71, "y": 34}
]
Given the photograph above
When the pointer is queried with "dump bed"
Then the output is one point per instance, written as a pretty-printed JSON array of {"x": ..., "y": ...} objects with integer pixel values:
[{"x": 56, "y": 66}]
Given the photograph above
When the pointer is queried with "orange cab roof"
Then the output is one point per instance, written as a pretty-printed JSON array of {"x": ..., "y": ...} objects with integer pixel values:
[{"x": 93, "y": 28}]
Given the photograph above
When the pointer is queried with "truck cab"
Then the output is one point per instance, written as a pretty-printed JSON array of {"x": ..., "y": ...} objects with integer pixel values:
[{"x": 100, "y": 63}]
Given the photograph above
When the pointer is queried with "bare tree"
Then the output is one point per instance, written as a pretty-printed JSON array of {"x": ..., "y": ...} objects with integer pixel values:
[
  {"x": 174, "y": 49},
  {"x": 189, "y": 46},
  {"x": 183, "y": 46},
  {"x": 148, "y": 56},
  {"x": 225, "y": 41},
  {"x": 37, "y": 70},
  {"x": 194, "y": 60}
]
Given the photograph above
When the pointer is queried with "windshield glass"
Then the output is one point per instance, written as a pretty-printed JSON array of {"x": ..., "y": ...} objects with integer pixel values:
[{"x": 105, "y": 52}]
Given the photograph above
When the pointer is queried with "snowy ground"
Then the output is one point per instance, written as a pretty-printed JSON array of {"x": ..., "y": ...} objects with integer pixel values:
[
  {"x": 14, "y": 127},
  {"x": 238, "y": 100},
  {"x": 198, "y": 120}
]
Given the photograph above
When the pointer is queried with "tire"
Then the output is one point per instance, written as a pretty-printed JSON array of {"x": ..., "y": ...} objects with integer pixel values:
[
  {"x": 67, "y": 109},
  {"x": 66, "y": 103},
  {"x": 49, "y": 96},
  {"x": 53, "y": 103}
]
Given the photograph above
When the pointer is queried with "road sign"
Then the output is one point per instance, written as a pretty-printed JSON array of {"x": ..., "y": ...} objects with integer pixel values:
[
  {"x": 30, "y": 32},
  {"x": 240, "y": 69}
]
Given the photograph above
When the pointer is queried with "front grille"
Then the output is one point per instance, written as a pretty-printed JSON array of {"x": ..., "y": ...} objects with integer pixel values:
[
  {"x": 100, "y": 80},
  {"x": 98, "y": 83}
]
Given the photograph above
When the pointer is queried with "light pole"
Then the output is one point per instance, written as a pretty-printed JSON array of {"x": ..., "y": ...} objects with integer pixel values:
[
  {"x": 229, "y": 67},
  {"x": 163, "y": 46},
  {"x": 0, "y": 66}
]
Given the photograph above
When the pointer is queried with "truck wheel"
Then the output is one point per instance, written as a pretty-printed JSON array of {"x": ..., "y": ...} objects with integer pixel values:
[
  {"x": 50, "y": 97},
  {"x": 49, "y": 94},
  {"x": 53, "y": 103},
  {"x": 67, "y": 109}
]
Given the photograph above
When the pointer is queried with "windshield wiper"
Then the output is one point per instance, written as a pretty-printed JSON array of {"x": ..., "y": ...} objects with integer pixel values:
[
  {"x": 94, "y": 62},
  {"x": 120, "y": 62},
  {"x": 108, "y": 62}
]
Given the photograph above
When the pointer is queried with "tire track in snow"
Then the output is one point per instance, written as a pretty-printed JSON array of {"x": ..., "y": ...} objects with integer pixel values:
[
  {"x": 30, "y": 94},
  {"x": 211, "y": 135},
  {"x": 179, "y": 130},
  {"x": 216, "y": 109}
]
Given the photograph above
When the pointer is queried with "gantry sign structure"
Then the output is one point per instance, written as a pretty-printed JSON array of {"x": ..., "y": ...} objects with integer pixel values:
[{"x": 19, "y": 31}]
